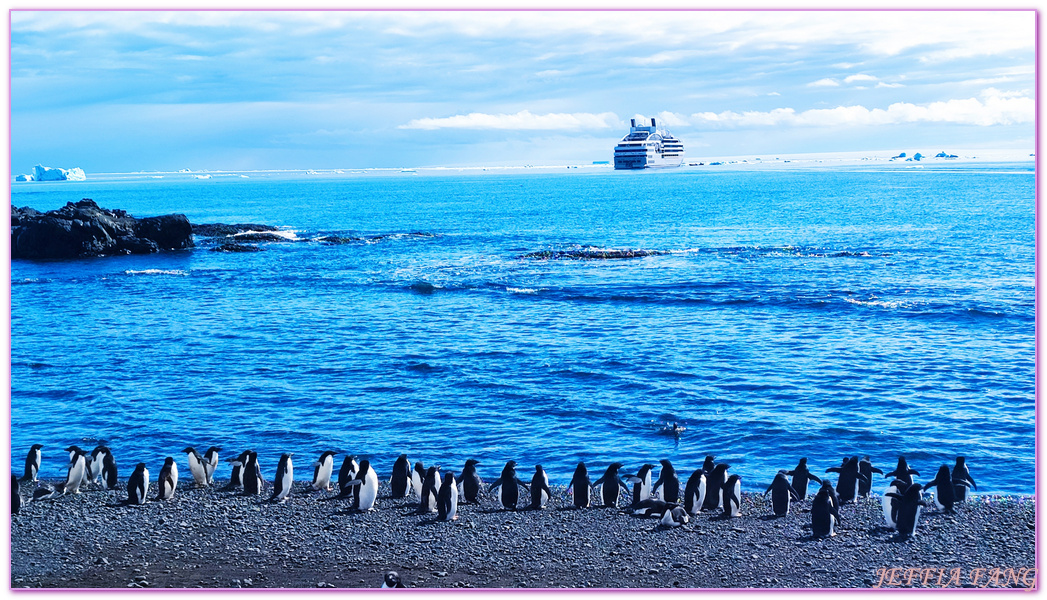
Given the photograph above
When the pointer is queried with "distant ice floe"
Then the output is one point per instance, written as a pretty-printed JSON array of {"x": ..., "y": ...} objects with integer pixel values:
[
  {"x": 516, "y": 290},
  {"x": 42, "y": 173}
]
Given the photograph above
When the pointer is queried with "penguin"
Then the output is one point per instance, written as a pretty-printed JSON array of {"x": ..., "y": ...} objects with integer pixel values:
[
  {"x": 284, "y": 478},
  {"x": 429, "y": 500},
  {"x": 960, "y": 474},
  {"x": 471, "y": 482},
  {"x": 168, "y": 480},
  {"x": 138, "y": 485},
  {"x": 669, "y": 483},
  {"x": 32, "y": 463},
  {"x": 641, "y": 484},
  {"x": 580, "y": 487},
  {"x": 890, "y": 502},
  {"x": 196, "y": 466},
  {"x": 850, "y": 478},
  {"x": 650, "y": 507},
  {"x": 732, "y": 497},
  {"x": 77, "y": 472},
  {"x": 109, "y": 474},
  {"x": 236, "y": 477},
  {"x": 824, "y": 513},
  {"x": 447, "y": 502},
  {"x": 347, "y": 473},
  {"x": 910, "y": 503},
  {"x": 946, "y": 496},
  {"x": 866, "y": 468},
  {"x": 417, "y": 479},
  {"x": 801, "y": 477},
  {"x": 902, "y": 472},
  {"x": 540, "y": 492},
  {"x": 673, "y": 516},
  {"x": 211, "y": 463},
  {"x": 400, "y": 482},
  {"x": 611, "y": 486},
  {"x": 781, "y": 492},
  {"x": 323, "y": 468},
  {"x": 833, "y": 496},
  {"x": 367, "y": 480},
  {"x": 16, "y": 498},
  {"x": 709, "y": 464},
  {"x": 252, "y": 475},
  {"x": 508, "y": 486},
  {"x": 392, "y": 580},
  {"x": 94, "y": 464},
  {"x": 714, "y": 482},
  {"x": 694, "y": 492}
]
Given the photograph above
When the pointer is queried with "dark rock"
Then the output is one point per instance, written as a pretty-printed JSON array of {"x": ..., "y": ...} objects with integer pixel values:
[
  {"x": 223, "y": 229},
  {"x": 259, "y": 237},
  {"x": 591, "y": 253},
  {"x": 231, "y": 247},
  {"x": 84, "y": 229}
]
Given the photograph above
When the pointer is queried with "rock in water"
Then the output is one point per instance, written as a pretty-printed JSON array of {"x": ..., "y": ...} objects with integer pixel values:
[{"x": 83, "y": 229}]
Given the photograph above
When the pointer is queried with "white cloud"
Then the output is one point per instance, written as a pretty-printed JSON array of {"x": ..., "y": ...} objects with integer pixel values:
[
  {"x": 889, "y": 85},
  {"x": 523, "y": 120},
  {"x": 860, "y": 77},
  {"x": 827, "y": 82}
]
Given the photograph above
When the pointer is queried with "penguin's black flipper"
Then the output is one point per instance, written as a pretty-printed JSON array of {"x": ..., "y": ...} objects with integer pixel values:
[{"x": 834, "y": 470}]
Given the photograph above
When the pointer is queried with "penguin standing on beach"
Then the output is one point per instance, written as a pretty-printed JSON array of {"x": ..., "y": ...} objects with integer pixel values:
[
  {"x": 32, "y": 463},
  {"x": 323, "y": 468},
  {"x": 447, "y": 502},
  {"x": 417, "y": 480},
  {"x": 890, "y": 502},
  {"x": 367, "y": 480},
  {"x": 580, "y": 487},
  {"x": 540, "y": 492},
  {"x": 866, "y": 469},
  {"x": 824, "y": 513},
  {"x": 400, "y": 482},
  {"x": 284, "y": 478},
  {"x": 109, "y": 475},
  {"x": 16, "y": 498},
  {"x": 138, "y": 485},
  {"x": 694, "y": 492},
  {"x": 641, "y": 484},
  {"x": 429, "y": 499},
  {"x": 236, "y": 477},
  {"x": 196, "y": 466},
  {"x": 94, "y": 464},
  {"x": 611, "y": 485},
  {"x": 669, "y": 483},
  {"x": 946, "y": 496},
  {"x": 168, "y": 480},
  {"x": 902, "y": 472},
  {"x": 508, "y": 486},
  {"x": 850, "y": 477},
  {"x": 346, "y": 474},
  {"x": 714, "y": 483},
  {"x": 961, "y": 474},
  {"x": 77, "y": 471},
  {"x": 781, "y": 493},
  {"x": 211, "y": 463},
  {"x": 801, "y": 477},
  {"x": 252, "y": 475},
  {"x": 910, "y": 503},
  {"x": 732, "y": 497},
  {"x": 471, "y": 482}
]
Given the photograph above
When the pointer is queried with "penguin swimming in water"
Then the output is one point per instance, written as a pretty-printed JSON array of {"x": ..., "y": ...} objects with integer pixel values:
[
  {"x": 196, "y": 466},
  {"x": 32, "y": 463},
  {"x": 580, "y": 487},
  {"x": 866, "y": 468},
  {"x": 508, "y": 486},
  {"x": 168, "y": 480},
  {"x": 960, "y": 474},
  {"x": 211, "y": 463},
  {"x": 471, "y": 482},
  {"x": 284, "y": 478},
  {"x": 946, "y": 496},
  {"x": 910, "y": 503},
  {"x": 781, "y": 493},
  {"x": 400, "y": 482},
  {"x": 323, "y": 468},
  {"x": 16, "y": 498},
  {"x": 252, "y": 474},
  {"x": 694, "y": 492},
  {"x": 673, "y": 516},
  {"x": 417, "y": 480},
  {"x": 669, "y": 483},
  {"x": 447, "y": 502},
  {"x": 346, "y": 474},
  {"x": 801, "y": 477},
  {"x": 540, "y": 492},
  {"x": 392, "y": 580},
  {"x": 138, "y": 485},
  {"x": 641, "y": 484},
  {"x": 732, "y": 497},
  {"x": 850, "y": 477},
  {"x": 902, "y": 472},
  {"x": 430, "y": 496},
  {"x": 367, "y": 480},
  {"x": 109, "y": 475},
  {"x": 714, "y": 483},
  {"x": 611, "y": 485},
  {"x": 825, "y": 515}
]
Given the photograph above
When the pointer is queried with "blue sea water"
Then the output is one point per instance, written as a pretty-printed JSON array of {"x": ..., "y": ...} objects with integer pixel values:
[{"x": 809, "y": 312}]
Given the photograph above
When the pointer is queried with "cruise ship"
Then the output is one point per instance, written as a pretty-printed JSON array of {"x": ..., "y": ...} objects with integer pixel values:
[{"x": 647, "y": 148}]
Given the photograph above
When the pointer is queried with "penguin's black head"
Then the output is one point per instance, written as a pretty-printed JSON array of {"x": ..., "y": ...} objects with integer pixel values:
[
  {"x": 615, "y": 466},
  {"x": 189, "y": 450},
  {"x": 665, "y": 463},
  {"x": 326, "y": 454},
  {"x": 959, "y": 460},
  {"x": 943, "y": 473},
  {"x": 140, "y": 467},
  {"x": 803, "y": 461},
  {"x": 538, "y": 468},
  {"x": 511, "y": 463},
  {"x": 39, "y": 446},
  {"x": 75, "y": 449},
  {"x": 472, "y": 462},
  {"x": 168, "y": 461},
  {"x": 213, "y": 449}
]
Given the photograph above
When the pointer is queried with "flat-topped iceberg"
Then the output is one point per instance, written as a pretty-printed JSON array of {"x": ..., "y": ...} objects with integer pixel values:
[{"x": 42, "y": 173}]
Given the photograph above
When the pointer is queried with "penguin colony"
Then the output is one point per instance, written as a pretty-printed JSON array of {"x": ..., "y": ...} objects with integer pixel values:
[{"x": 707, "y": 488}]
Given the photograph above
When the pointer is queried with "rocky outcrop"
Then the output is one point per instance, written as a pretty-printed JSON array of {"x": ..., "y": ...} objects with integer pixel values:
[
  {"x": 591, "y": 253},
  {"x": 83, "y": 229}
]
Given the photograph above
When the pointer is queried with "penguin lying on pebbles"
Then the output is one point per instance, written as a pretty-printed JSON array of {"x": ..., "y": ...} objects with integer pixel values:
[
  {"x": 323, "y": 468},
  {"x": 611, "y": 485},
  {"x": 508, "y": 486},
  {"x": 580, "y": 488},
  {"x": 32, "y": 463},
  {"x": 651, "y": 507},
  {"x": 471, "y": 482},
  {"x": 673, "y": 516},
  {"x": 392, "y": 580},
  {"x": 961, "y": 479}
]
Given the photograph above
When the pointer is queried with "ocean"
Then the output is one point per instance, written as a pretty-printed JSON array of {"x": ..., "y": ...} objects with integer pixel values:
[{"x": 781, "y": 313}]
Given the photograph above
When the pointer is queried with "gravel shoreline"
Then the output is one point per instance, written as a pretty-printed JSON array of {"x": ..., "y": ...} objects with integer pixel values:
[{"x": 219, "y": 539}]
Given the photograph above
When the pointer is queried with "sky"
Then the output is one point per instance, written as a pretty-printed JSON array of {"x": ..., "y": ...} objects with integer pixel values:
[{"x": 127, "y": 91}]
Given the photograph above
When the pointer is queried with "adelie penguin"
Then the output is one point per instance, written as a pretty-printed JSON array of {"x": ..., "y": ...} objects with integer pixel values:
[
  {"x": 961, "y": 474},
  {"x": 252, "y": 474},
  {"x": 580, "y": 488},
  {"x": 16, "y": 498},
  {"x": 430, "y": 496},
  {"x": 540, "y": 492},
  {"x": 781, "y": 493},
  {"x": 694, "y": 492},
  {"x": 649, "y": 507},
  {"x": 138, "y": 485},
  {"x": 32, "y": 463},
  {"x": 367, "y": 480},
  {"x": 400, "y": 481},
  {"x": 508, "y": 486},
  {"x": 168, "y": 480},
  {"x": 673, "y": 516},
  {"x": 825, "y": 514},
  {"x": 866, "y": 468},
  {"x": 850, "y": 477},
  {"x": 946, "y": 496},
  {"x": 109, "y": 474},
  {"x": 669, "y": 482},
  {"x": 910, "y": 503},
  {"x": 211, "y": 462},
  {"x": 77, "y": 471},
  {"x": 236, "y": 477},
  {"x": 94, "y": 464},
  {"x": 714, "y": 483},
  {"x": 447, "y": 502},
  {"x": 471, "y": 482},
  {"x": 641, "y": 484},
  {"x": 417, "y": 479},
  {"x": 392, "y": 580},
  {"x": 732, "y": 497},
  {"x": 346, "y": 474},
  {"x": 902, "y": 472},
  {"x": 196, "y": 466},
  {"x": 611, "y": 485},
  {"x": 801, "y": 477},
  {"x": 323, "y": 468},
  {"x": 890, "y": 502},
  {"x": 284, "y": 478}
]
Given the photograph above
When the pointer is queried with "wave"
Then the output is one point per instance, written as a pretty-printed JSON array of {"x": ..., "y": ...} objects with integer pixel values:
[{"x": 178, "y": 272}]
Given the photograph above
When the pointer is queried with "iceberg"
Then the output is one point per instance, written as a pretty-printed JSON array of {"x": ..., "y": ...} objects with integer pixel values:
[
  {"x": 42, "y": 173},
  {"x": 24, "y": 177}
]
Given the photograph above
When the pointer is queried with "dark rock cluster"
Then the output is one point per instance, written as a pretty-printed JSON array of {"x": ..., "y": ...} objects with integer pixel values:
[{"x": 592, "y": 253}]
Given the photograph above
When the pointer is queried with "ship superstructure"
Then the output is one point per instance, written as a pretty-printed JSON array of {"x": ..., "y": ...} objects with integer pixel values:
[{"x": 647, "y": 148}]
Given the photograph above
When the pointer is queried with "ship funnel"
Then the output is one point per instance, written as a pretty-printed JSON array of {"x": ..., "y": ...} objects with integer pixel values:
[
  {"x": 632, "y": 122},
  {"x": 652, "y": 122}
]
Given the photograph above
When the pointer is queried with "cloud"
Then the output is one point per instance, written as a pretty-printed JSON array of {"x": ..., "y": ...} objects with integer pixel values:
[
  {"x": 827, "y": 82},
  {"x": 860, "y": 77},
  {"x": 523, "y": 120}
]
